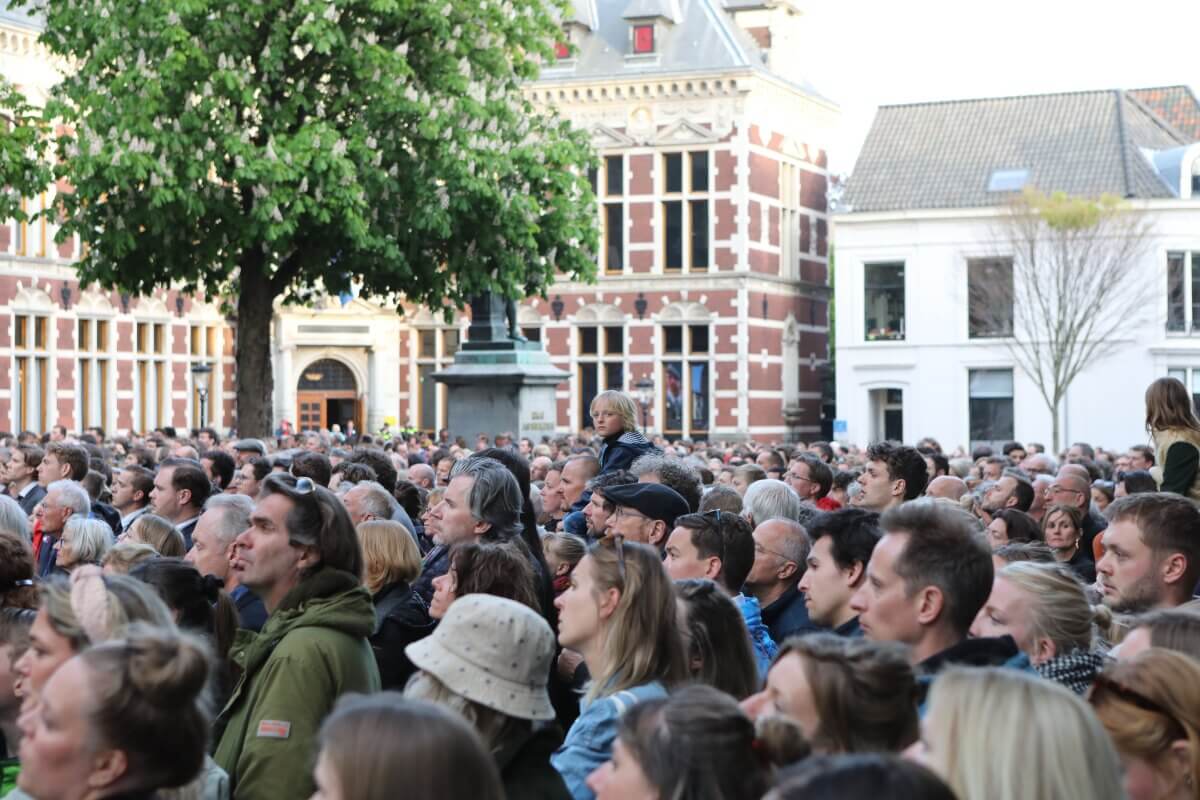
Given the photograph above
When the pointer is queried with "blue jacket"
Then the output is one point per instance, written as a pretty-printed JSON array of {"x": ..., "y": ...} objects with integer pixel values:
[
  {"x": 764, "y": 646},
  {"x": 620, "y": 451},
  {"x": 787, "y": 616},
  {"x": 589, "y": 742}
]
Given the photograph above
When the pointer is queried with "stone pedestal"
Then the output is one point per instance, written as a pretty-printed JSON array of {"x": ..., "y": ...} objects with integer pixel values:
[{"x": 498, "y": 384}]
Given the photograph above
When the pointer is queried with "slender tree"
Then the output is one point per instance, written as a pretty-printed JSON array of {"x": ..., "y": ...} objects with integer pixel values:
[
  {"x": 1076, "y": 280},
  {"x": 267, "y": 150}
]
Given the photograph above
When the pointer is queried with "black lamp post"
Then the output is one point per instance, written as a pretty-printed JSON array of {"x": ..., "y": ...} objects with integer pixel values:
[
  {"x": 645, "y": 396},
  {"x": 201, "y": 375}
]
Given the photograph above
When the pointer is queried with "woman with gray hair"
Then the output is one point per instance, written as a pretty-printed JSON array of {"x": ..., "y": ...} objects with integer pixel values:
[
  {"x": 13, "y": 518},
  {"x": 83, "y": 541},
  {"x": 770, "y": 499}
]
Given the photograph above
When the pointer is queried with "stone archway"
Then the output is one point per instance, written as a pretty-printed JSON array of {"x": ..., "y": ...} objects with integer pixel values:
[{"x": 327, "y": 394}]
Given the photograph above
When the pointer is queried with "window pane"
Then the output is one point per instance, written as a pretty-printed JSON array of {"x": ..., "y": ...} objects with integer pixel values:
[
  {"x": 594, "y": 180},
  {"x": 990, "y": 294},
  {"x": 589, "y": 383},
  {"x": 614, "y": 374},
  {"x": 614, "y": 175},
  {"x": 699, "y": 396},
  {"x": 643, "y": 39},
  {"x": 700, "y": 172},
  {"x": 85, "y": 391},
  {"x": 142, "y": 333},
  {"x": 614, "y": 237},
  {"x": 20, "y": 337},
  {"x": 160, "y": 335},
  {"x": 588, "y": 342},
  {"x": 884, "y": 301},
  {"x": 428, "y": 394},
  {"x": 1178, "y": 374},
  {"x": 1175, "y": 310},
  {"x": 673, "y": 168},
  {"x": 699, "y": 223},
  {"x": 197, "y": 340},
  {"x": 427, "y": 343},
  {"x": 672, "y": 338},
  {"x": 81, "y": 335},
  {"x": 673, "y": 395},
  {"x": 991, "y": 404},
  {"x": 102, "y": 335},
  {"x": 39, "y": 333},
  {"x": 699, "y": 335},
  {"x": 614, "y": 340},
  {"x": 1196, "y": 291},
  {"x": 450, "y": 343},
  {"x": 533, "y": 333},
  {"x": 673, "y": 235},
  {"x": 212, "y": 341}
]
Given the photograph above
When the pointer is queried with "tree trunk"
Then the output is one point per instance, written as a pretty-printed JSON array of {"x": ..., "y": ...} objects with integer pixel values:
[
  {"x": 255, "y": 384},
  {"x": 1055, "y": 436}
]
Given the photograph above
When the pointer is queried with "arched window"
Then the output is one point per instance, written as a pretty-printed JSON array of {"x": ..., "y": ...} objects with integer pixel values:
[{"x": 327, "y": 375}]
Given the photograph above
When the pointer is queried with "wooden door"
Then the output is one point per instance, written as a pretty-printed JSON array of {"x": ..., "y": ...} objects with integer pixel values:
[{"x": 310, "y": 411}]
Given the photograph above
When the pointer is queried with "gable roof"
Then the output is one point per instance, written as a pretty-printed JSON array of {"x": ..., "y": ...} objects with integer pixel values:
[
  {"x": 942, "y": 155},
  {"x": 1177, "y": 105}
]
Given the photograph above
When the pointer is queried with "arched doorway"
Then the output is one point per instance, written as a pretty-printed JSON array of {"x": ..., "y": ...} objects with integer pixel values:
[{"x": 327, "y": 394}]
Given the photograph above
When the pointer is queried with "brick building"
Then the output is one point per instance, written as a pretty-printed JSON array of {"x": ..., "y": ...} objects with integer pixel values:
[{"x": 711, "y": 283}]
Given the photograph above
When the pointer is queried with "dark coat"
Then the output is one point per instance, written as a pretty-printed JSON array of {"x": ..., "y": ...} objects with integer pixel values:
[
  {"x": 620, "y": 451},
  {"x": 788, "y": 616},
  {"x": 252, "y": 614},
  {"x": 30, "y": 501},
  {"x": 435, "y": 564},
  {"x": 985, "y": 651},
  {"x": 524, "y": 763},
  {"x": 401, "y": 618}
]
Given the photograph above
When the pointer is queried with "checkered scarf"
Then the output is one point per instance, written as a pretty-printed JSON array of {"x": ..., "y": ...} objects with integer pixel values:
[{"x": 1076, "y": 670}]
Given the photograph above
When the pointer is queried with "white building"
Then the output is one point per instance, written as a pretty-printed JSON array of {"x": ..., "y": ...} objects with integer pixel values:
[{"x": 919, "y": 223}]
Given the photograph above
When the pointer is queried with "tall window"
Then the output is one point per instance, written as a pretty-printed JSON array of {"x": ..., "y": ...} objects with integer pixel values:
[
  {"x": 92, "y": 397},
  {"x": 31, "y": 372},
  {"x": 685, "y": 211},
  {"x": 884, "y": 300},
  {"x": 991, "y": 405},
  {"x": 1190, "y": 377},
  {"x": 600, "y": 363},
  {"x": 990, "y": 297},
  {"x": 685, "y": 379},
  {"x": 435, "y": 351},
  {"x": 1183, "y": 292},
  {"x": 153, "y": 377},
  {"x": 789, "y": 220},
  {"x": 204, "y": 347},
  {"x": 608, "y": 183}
]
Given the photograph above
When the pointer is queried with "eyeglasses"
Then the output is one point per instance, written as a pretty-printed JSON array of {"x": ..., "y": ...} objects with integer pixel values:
[
  {"x": 793, "y": 476},
  {"x": 758, "y": 548},
  {"x": 625, "y": 511},
  {"x": 1056, "y": 489},
  {"x": 1103, "y": 683}
]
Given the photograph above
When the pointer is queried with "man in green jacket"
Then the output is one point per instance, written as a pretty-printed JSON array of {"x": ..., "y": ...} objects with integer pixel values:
[{"x": 301, "y": 556}]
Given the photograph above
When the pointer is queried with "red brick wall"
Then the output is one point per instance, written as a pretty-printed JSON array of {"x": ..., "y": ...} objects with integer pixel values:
[
  {"x": 641, "y": 216},
  {"x": 726, "y": 164},
  {"x": 641, "y": 180},
  {"x": 764, "y": 175}
]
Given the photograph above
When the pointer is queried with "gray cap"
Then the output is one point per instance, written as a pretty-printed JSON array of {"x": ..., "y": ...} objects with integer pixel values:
[{"x": 251, "y": 445}]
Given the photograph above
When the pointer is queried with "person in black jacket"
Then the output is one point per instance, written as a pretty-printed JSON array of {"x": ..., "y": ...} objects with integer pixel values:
[{"x": 391, "y": 562}]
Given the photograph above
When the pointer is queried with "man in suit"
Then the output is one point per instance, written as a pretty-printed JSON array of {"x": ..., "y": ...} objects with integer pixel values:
[
  {"x": 22, "y": 469},
  {"x": 131, "y": 494},
  {"x": 180, "y": 490},
  {"x": 64, "y": 499}
]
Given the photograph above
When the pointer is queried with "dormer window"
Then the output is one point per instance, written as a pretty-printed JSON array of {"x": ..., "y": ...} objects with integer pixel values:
[
  {"x": 643, "y": 39},
  {"x": 562, "y": 50}
]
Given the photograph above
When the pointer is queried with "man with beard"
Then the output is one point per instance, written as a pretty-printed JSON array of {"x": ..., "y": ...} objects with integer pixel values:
[{"x": 1151, "y": 552}]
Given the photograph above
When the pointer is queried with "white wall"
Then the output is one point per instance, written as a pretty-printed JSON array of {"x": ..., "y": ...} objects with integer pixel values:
[{"x": 1104, "y": 405}]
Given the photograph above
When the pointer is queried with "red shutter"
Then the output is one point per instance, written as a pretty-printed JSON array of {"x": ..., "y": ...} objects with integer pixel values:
[
  {"x": 561, "y": 50},
  {"x": 643, "y": 39}
]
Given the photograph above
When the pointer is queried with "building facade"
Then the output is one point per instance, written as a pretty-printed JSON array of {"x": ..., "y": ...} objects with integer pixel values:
[
  {"x": 711, "y": 282},
  {"x": 920, "y": 232}
]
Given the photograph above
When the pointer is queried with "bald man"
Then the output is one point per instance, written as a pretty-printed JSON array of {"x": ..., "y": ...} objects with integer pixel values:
[
  {"x": 1072, "y": 486},
  {"x": 947, "y": 486}
]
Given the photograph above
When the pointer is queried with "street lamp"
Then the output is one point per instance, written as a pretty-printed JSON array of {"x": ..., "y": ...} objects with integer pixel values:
[
  {"x": 201, "y": 375},
  {"x": 645, "y": 395}
]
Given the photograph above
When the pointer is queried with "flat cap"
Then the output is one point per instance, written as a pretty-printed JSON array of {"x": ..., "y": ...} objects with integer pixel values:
[
  {"x": 652, "y": 499},
  {"x": 251, "y": 445}
]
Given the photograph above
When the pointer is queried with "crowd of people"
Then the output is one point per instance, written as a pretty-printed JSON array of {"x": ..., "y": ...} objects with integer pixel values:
[{"x": 349, "y": 617}]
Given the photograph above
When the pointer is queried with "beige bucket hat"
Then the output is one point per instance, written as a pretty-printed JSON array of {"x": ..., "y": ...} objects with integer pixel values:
[{"x": 493, "y": 651}]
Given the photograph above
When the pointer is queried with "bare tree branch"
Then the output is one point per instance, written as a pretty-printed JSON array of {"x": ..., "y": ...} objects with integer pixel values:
[{"x": 1076, "y": 282}]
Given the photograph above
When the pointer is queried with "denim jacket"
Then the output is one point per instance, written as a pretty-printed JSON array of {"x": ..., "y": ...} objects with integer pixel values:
[
  {"x": 760, "y": 638},
  {"x": 590, "y": 740}
]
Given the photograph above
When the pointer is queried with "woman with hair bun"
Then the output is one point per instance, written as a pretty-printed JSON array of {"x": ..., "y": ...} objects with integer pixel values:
[
  {"x": 695, "y": 744},
  {"x": 122, "y": 720}
]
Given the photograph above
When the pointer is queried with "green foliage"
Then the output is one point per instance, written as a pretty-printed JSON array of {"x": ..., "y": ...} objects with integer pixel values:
[
  {"x": 1063, "y": 212},
  {"x": 23, "y": 168},
  {"x": 317, "y": 143}
]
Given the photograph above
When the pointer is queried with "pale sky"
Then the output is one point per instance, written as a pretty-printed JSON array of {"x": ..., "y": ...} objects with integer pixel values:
[{"x": 867, "y": 53}]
